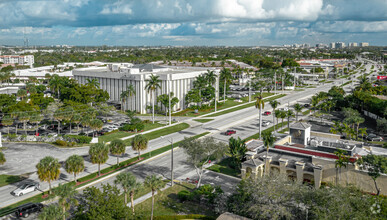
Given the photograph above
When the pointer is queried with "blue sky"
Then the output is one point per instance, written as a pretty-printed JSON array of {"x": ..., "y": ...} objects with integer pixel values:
[{"x": 192, "y": 22}]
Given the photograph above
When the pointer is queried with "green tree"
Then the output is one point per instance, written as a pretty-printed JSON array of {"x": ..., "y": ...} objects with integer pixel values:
[
  {"x": 363, "y": 131},
  {"x": 36, "y": 118},
  {"x": 7, "y": 121},
  {"x": 289, "y": 114},
  {"x": 153, "y": 83},
  {"x": 23, "y": 117},
  {"x": 51, "y": 212},
  {"x": 96, "y": 125},
  {"x": 66, "y": 194},
  {"x": 155, "y": 184},
  {"x": 130, "y": 185},
  {"x": 236, "y": 150},
  {"x": 139, "y": 143},
  {"x": 99, "y": 154},
  {"x": 77, "y": 119},
  {"x": 376, "y": 165},
  {"x": 48, "y": 170},
  {"x": 226, "y": 77},
  {"x": 200, "y": 151},
  {"x": 268, "y": 141},
  {"x": 124, "y": 95},
  {"x": 59, "y": 116},
  {"x": 339, "y": 163},
  {"x": 21, "y": 93},
  {"x": 260, "y": 104},
  {"x": 106, "y": 203},
  {"x": 2, "y": 158},
  {"x": 274, "y": 104},
  {"x": 298, "y": 108},
  {"x": 164, "y": 100},
  {"x": 75, "y": 164},
  {"x": 117, "y": 148}
]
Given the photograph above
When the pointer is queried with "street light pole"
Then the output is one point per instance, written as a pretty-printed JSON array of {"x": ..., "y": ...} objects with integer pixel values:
[
  {"x": 169, "y": 101},
  {"x": 171, "y": 162}
]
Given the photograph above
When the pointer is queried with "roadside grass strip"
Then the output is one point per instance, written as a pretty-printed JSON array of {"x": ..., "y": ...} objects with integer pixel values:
[
  {"x": 94, "y": 176},
  {"x": 270, "y": 129},
  {"x": 244, "y": 106},
  {"x": 203, "y": 120},
  {"x": 9, "y": 179},
  {"x": 223, "y": 167}
]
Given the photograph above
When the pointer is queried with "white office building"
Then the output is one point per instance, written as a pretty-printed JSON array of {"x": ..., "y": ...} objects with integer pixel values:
[
  {"x": 364, "y": 44},
  {"x": 115, "y": 78},
  {"x": 353, "y": 44},
  {"x": 27, "y": 60}
]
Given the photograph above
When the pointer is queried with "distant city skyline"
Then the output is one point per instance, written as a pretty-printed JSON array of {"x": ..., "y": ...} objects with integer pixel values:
[{"x": 192, "y": 23}]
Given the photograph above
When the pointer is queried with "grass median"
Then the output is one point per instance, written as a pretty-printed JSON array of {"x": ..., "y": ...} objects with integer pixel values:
[
  {"x": 203, "y": 120},
  {"x": 270, "y": 129},
  {"x": 9, "y": 179},
  {"x": 86, "y": 179},
  {"x": 243, "y": 106}
]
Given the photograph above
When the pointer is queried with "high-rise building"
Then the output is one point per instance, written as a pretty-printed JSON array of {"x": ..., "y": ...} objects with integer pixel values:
[
  {"x": 352, "y": 44},
  {"x": 340, "y": 45},
  {"x": 364, "y": 44},
  {"x": 332, "y": 45}
]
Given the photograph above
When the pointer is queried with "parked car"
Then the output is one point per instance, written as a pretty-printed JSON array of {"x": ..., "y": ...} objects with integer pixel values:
[
  {"x": 374, "y": 137},
  {"x": 267, "y": 113},
  {"x": 230, "y": 132},
  {"x": 306, "y": 105},
  {"x": 284, "y": 109},
  {"x": 26, "y": 209},
  {"x": 25, "y": 188}
]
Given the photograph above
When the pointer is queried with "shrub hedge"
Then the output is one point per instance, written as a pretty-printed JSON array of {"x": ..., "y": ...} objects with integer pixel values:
[{"x": 78, "y": 139}]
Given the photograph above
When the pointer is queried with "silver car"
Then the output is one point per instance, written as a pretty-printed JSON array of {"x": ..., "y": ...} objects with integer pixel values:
[{"x": 25, "y": 188}]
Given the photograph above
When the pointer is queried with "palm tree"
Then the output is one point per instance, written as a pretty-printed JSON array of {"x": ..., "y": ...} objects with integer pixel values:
[
  {"x": 21, "y": 93},
  {"x": 139, "y": 143},
  {"x": 124, "y": 95},
  {"x": 23, "y": 117},
  {"x": 66, "y": 195},
  {"x": 69, "y": 112},
  {"x": 298, "y": 108},
  {"x": 358, "y": 120},
  {"x": 131, "y": 92},
  {"x": 7, "y": 121},
  {"x": 55, "y": 84},
  {"x": 48, "y": 170},
  {"x": 77, "y": 118},
  {"x": 282, "y": 116},
  {"x": 274, "y": 104},
  {"x": 210, "y": 77},
  {"x": 277, "y": 115},
  {"x": 200, "y": 83},
  {"x": 268, "y": 140},
  {"x": 74, "y": 164},
  {"x": 99, "y": 154},
  {"x": 363, "y": 131},
  {"x": 93, "y": 82},
  {"x": 226, "y": 76},
  {"x": 2, "y": 158},
  {"x": 314, "y": 102},
  {"x": 96, "y": 125},
  {"x": 51, "y": 212},
  {"x": 117, "y": 148},
  {"x": 59, "y": 115},
  {"x": 289, "y": 114},
  {"x": 36, "y": 118},
  {"x": 155, "y": 184},
  {"x": 340, "y": 162},
  {"x": 130, "y": 185},
  {"x": 260, "y": 104},
  {"x": 153, "y": 83}
]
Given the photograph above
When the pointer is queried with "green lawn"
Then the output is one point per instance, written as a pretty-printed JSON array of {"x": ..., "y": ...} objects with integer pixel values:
[
  {"x": 271, "y": 129},
  {"x": 244, "y": 106},
  {"x": 9, "y": 179},
  {"x": 222, "y": 167},
  {"x": 121, "y": 134},
  {"x": 168, "y": 204},
  {"x": 306, "y": 112},
  {"x": 203, "y": 120},
  {"x": 264, "y": 95},
  {"x": 161, "y": 132}
]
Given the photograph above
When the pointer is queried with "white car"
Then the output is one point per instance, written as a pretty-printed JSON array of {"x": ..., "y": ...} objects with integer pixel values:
[{"x": 25, "y": 188}]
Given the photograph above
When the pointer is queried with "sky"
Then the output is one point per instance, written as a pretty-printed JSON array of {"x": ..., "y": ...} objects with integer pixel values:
[{"x": 192, "y": 22}]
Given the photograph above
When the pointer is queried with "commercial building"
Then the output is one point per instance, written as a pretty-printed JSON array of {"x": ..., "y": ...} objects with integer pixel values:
[
  {"x": 27, "y": 60},
  {"x": 339, "y": 45},
  {"x": 353, "y": 44},
  {"x": 308, "y": 156},
  {"x": 364, "y": 44},
  {"x": 115, "y": 78}
]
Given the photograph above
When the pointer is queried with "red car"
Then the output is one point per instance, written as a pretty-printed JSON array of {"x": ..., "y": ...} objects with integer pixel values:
[
  {"x": 230, "y": 132},
  {"x": 267, "y": 113}
]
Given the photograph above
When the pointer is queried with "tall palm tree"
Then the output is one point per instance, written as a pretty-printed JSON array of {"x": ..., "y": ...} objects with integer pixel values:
[
  {"x": 75, "y": 164},
  {"x": 139, "y": 143},
  {"x": 131, "y": 92},
  {"x": 59, "y": 115},
  {"x": 48, "y": 170},
  {"x": 210, "y": 77},
  {"x": 268, "y": 140},
  {"x": 130, "y": 185},
  {"x": 93, "y": 82},
  {"x": 51, "y": 212},
  {"x": 289, "y": 114},
  {"x": 200, "y": 83},
  {"x": 225, "y": 75},
  {"x": 314, "y": 102},
  {"x": 340, "y": 162},
  {"x": 99, "y": 154},
  {"x": 282, "y": 115},
  {"x": 7, "y": 121},
  {"x": 298, "y": 108},
  {"x": 124, "y": 95},
  {"x": 358, "y": 120},
  {"x": 66, "y": 195},
  {"x": 21, "y": 93},
  {"x": 153, "y": 83},
  {"x": 274, "y": 104},
  {"x": 55, "y": 84},
  {"x": 117, "y": 148},
  {"x": 155, "y": 184},
  {"x": 363, "y": 131},
  {"x": 260, "y": 104},
  {"x": 23, "y": 117}
]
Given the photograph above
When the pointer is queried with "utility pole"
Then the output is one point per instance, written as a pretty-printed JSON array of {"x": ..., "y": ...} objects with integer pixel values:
[{"x": 169, "y": 100}]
